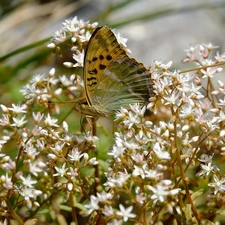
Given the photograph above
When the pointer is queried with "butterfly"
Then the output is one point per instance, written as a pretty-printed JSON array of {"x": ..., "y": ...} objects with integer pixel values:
[{"x": 111, "y": 78}]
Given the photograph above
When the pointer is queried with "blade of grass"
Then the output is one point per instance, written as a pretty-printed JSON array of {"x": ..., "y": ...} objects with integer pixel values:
[{"x": 23, "y": 49}]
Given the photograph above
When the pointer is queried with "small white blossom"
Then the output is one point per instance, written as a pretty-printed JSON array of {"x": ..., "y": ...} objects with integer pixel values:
[
  {"x": 19, "y": 122},
  {"x": 161, "y": 191},
  {"x": 58, "y": 148},
  {"x": 219, "y": 185},
  {"x": 206, "y": 169},
  {"x": 117, "y": 181},
  {"x": 208, "y": 73},
  {"x": 29, "y": 193},
  {"x": 49, "y": 121},
  {"x": 37, "y": 117},
  {"x": 121, "y": 39},
  {"x": 19, "y": 108},
  {"x": 79, "y": 58},
  {"x": 27, "y": 181},
  {"x": 60, "y": 170},
  {"x": 125, "y": 212},
  {"x": 36, "y": 167},
  {"x": 161, "y": 154},
  {"x": 6, "y": 181},
  {"x": 73, "y": 172},
  {"x": 75, "y": 155},
  {"x": 86, "y": 37},
  {"x": 108, "y": 210},
  {"x": 210, "y": 46},
  {"x": 4, "y": 108},
  {"x": 4, "y": 121},
  {"x": 93, "y": 205}
]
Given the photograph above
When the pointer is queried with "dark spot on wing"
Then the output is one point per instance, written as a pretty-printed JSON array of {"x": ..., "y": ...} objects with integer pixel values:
[
  {"x": 102, "y": 67},
  {"x": 94, "y": 59},
  {"x": 91, "y": 81},
  {"x": 109, "y": 57},
  {"x": 94, "y": 71},
  {"x": 101, "y": 57}
]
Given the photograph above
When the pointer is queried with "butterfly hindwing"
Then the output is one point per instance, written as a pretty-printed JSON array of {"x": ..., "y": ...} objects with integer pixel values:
[{"x": 125, "y": 82}]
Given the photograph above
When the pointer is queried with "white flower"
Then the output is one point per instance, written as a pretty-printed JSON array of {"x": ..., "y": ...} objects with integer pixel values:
[
  {"x": 103, "y": 196},
  {"x": 121, "y": 114},
  {"x": 50, "y": 121},
  {"x": 59, "y": 37},
  {"x": 93, "y": 205},
  {"x": 19, "y": 122},
  {"x": 19, "y": 108},
  {"x": 172, "y": 98},
  {"x": 37, "y": 116},
  {"x": 108, "y": 210},
  {"x": 131, "y": 119},
  {"x": 118, "y": 180},
  {"x": 206, "y": 158},
  {"x": 5, "y": 120},
  {"x": 75, "y": 155},
  {"x": 73, "y": 172},
  {"x": 209, "y": 72},
  {"x": 6, "y": 181},
  {"x": 61, "y": 170},
  {"x": 161, "y": 190},
  {"x": 205, "y": 169},
  {"x": 30, "y": 149},
  {"x": 51, "y": 45},
  {"x": 58, "y": 148},
  {"x": 126, "y": 212},
  {"x": 219, "y": 185},
  {"x": 29, "y": 193},
  {"x": 74, "y": 25},
  {"x": 160, "y": 153},
  {"x": 86, "y": 37},
  {"x": 210, "y": 46},
  {"x": 117, "y": 151},
  {"x": 36, "y": 167},
  {"x": 4, "y": 108},
  {"x": 27, "y": 181},
  {"x": 65, "y": 81},
  {"x": 121, "y": 39},
  {"x": 79, "y": 58}
]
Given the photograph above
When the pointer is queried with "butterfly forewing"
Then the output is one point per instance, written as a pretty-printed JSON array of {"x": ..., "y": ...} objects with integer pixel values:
[
  {"x": 112, "y": 78},
  {"x": 102, "y": 49}
]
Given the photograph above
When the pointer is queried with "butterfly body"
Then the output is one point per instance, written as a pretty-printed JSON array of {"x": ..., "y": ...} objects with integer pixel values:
[{"x": 112, "y": 79}]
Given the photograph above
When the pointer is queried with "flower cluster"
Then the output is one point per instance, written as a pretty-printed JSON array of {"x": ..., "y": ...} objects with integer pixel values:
[{"x": 164, "y": 166}]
